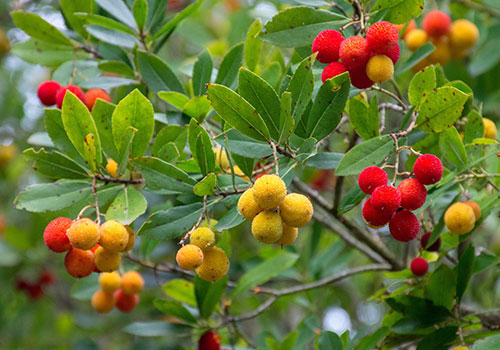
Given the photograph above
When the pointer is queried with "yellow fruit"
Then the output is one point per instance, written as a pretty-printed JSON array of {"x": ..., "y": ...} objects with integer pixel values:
[
  {"x": 83, "y": 234},
  {"x": 475, "y": 207},
  {"x": 296, "y": 210},
  {"x": 7, "y": 153},
  {"x": 189, "y": 257},
  {"x": 442, "y": 52},
  {"x": 109, "y": 281},
  {"x": 421, "y": 65},
  {"x": 247, "y": 206},
  {"x": 415, "y": 39},
  {"x": 239, "y": 172},
  {"x": 111, "y": 167},
  {"x": 132, "y": 283},
  {"x": 380, "y": 68},
  {"x": 490, "y": 129},
  {"x": 458, "y": 53},
  {"x": 463, "y": 34},
  {"x": 269, "y": 191},
  {"x": 215, "y": 265},
  {"x": 4, "y": 43},
  {"x": 107, "y": 260},
  {"x": 114, "y": 236},
  {"x": 221, "y": 158},
  {"x": 202, "y": 237},
  {"x": 131, "y": 239},
  {"x": 289, "y": 235},
  {"x": 459, "y": 218},
  {"x": 267, "y": 227},
  {"x": 460, "y": 347},
  {"x": 103, "y": 302}
]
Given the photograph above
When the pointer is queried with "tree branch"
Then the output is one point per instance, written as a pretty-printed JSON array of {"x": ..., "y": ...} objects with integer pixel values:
[
  {"x": 108, "y": 179},
  {"x": 478, "y": 6}
]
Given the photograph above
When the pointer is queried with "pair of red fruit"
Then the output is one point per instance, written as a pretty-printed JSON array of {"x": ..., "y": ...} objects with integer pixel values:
[
  {"x": 355, "y": 51},
  {"x": 35, "y": 290},
  {"x": 52, "y": 93}
]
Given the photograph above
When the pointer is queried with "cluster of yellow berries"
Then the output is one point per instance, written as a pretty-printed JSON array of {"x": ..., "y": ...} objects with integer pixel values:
[
  {"x": 461, "y": 217},
  {"x": 119, "y": 291},
  {"x": 275, "y": 216}
]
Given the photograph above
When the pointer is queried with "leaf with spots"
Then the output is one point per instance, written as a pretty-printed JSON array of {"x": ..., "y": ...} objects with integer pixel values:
[
  {"x": 36, "y": 27},
  {"x": 474, "y": 128},
  {"x": 400, "y": 11},
  {"x": 206, "y": 185},
  {"x": 46, "y": 53},
  {"x": 90, "y": 152},
  {"x": 422, "y": 83},
  {"x": 127, "y": 206},
  {"x": 55, "y": 165}
]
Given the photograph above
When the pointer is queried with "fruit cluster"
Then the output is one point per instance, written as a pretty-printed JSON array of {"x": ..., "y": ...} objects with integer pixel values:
[
  {"x": 52, "y": 93},
  {"x": 368, "y": 60},
  {"x": 275, "y": 216},
  {"x": 121, "y": 292},
  {"x": 89, "y": 247},
  {"x": 35, "y": 290},
  {"x": 452, "y": 40}
]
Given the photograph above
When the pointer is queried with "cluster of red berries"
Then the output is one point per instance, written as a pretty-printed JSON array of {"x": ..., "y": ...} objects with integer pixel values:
[
  {"x": 52, "y": 93},
  {"x": 368, "y": 60},
  {"x": 35, "y": 290}
]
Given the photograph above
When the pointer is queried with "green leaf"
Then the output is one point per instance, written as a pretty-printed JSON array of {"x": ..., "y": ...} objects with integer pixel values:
[
  {"x": 237, "y": 112},
  {"x": 246, "y": 164},
  {"x": 78, "y": 123},
  {"x": 208, "y": 294},
  {"x": 474, "y": 128},
  {"x": 452, "y": 148},
  {"x": 286, "y": 120},
  {"x": 416, "y": 57},
  {"x": 107, "y": 83},
  {"x": 400, "y": 11},
  {"x": 422, "y": 83},
  {"x": 263, "y": 272},
  {"x": 253, "y": 45},
  {"x": 119, "y": 10},
  {"x": 301, "y": 86},
  {"x": 69, "y": 7},
  {"x": 137, "y": 111},
  {"x": 176, "y": 99},
  {"x": 55, "y": 165},
  {"x": 140, "y": 10},
  {"x": 112, "y": 36},
  {"x": 180, "y": 290},
  {"x": 123, "y": 158},
  {"x": 482, "y": 141},
  {"x": 370, "y": 342},
  {"x": 46, "y": 53},
  {"x": 365, "y": 154},
  {"x": 231, "y": 219},
  {"x": 51, "y": 197},
  {"x": 439, "y": 339},
  {"x": 36, "y": 27},
  {"x": 197, "y": 107},
  {"x": 244, "y": 145},
  {"x": 262, "y": 96},
  {"x": 149, "y": 329},
  {"x": 464, "y": 271},
  {"x": 328, "y": 106},
  {"x": 157, "y": 74},
  {"x": 169, "y": 152},
  {"x": 351, "y": 199},
  {"x": 201, "y": 147},
  {"x": 206, "y": 186},
  {"x": 490, "y": 343},
  {"x": 441, "y": 287},
  {"x": 298, "y": 26},
  {"x": 117, "y": 67},
  {"x": 101, "y": 113},
  {"x": 483, "y": 261},
  {"x": 363, "y": 122},
  {"x": 128, "y": 205},
  {"x": 173, "y": 308},
  {"x": 329, "y": 341},
  {"x": 202, "y": 73},
  {"x": 170, "y": 26},
  {"x": 89, "y": 152},
  {"x": 163, "y": 177},
  {"x": 228, "y": 69},
  {"x": 325, "y": 160},
  {"x": 170, "y": 133},
  {"x": 105, "y": 22},
  {"x": 55, "y": 129}
]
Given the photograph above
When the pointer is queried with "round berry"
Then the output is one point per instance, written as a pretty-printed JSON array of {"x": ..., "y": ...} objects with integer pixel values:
[
  {"x": 459, "y": 218},
  {"x": 354, "y": 52},
  {"x": 371, "y": 178},
  {"x": 132, "y": 282},
  {"x": 475, "y": 207},
  {"x": 359, "y": 78},
  {"x": 419, "y": 266},
  {"x": 79, "y": 263},
  {"x": 332, "y": 70},
  {"x": 380, "y": 68},
  {"x": 114, "y": 236},
  {"x": 267, "y": 227},
  {"x": 47, "y": 92},
  {"x": 404, "y": 226},
  {"x": 416, "y": 39},
  {"x": 109, "y": 281},
  {"x": 209, "y": 341},
  {"x": 386, "y": 199},
  {"x": 103, "y": 302},
  {"x": 125, "y": 302},
  {"x": 91, "y": 96},
  {"x": 436, "y": 23},
  {"x": 289, "y": 235},
  {"x": 382, "y": 37},
  {"x": 327, "y": 44},
  {"x": 296, "y": 210},
  {"x": 428, "y": 169},
  {"x": 107, "y": 260},
  {"x": 61, "y": 93},
  {"x": 215, "y": 265},
  {"x": 413, "y": 194},
  {"x": 83, "y": 234},
  {"x": 189, "y": 257},
  {"x": 269, "y": 191},
  {"x": 55, "y": 235},
  {"x": 375, "y": 218},
  {"x": 247, "y": 206},
  {"x": 394, "y": 54},
  {"x": 434, "y": 247}
]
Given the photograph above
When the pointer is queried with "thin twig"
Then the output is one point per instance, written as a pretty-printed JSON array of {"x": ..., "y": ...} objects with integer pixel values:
[
  {"x": 275, "y": 155},
  {"x": 391, "y": 94},
  {"x": 89, "y": 50},
  {"x": 108, "y": 179}
]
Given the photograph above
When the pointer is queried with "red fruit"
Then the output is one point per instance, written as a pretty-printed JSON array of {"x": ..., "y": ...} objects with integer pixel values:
[
  {"x": 332, "y": 70},
  {"x": 62, "y": 92},
  {"x": 394, "y": 54},
  {"x": 404, "y": 226},
  {"x": 22, "y": 284},
  {"x": 96, "y": 270},
  {"x": 386, "y": 199},
  {"x": 79, "y": 263},
  {"x": 419, "y": 266},
  {"x": 55, "y": 235},
  {"x": 327, "y": 44},
  {"x": 413, "y": 194},
  {"x": 92, "y": 95},
  {"x": 436, "y": 23},
  {"x": 321, "y": 179},
  {"x": 124, "y": 302},
  {"x": 46, "y": 277},
  {"x": 209, "y": 341},
  {"x": 354, "y": 52},
  {"x": 382, "y": 37},
  {"x": 371, "y": 178},
  {"x": 428, "y": 169},
  {"x": 47, "y": 92},
  {"x": 359, "y": 78},
  {"x": 425, "y": 239},
  {"x": 35, "y": 291},
  {"x": 375, "y": 218}
]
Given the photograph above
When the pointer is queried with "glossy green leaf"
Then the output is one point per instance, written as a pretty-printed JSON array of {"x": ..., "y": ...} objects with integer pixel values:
[
  {"x": 70, "y": 7},
  {"x": 400, "y": 11},
  {"x": 101, "y": 113},
  {"x": 351, "y": 199},
  {"x": 228, "y": 69},
  {"x": 474, "y": 128},
  {"x": 329, "y": 341},
  {"x": 173, "y": 308},
  {"x": 112, "y": 36},
  {"x": 105, "y": 22},
  {"x": 55, "y": 165},
  {"x": 440, "y": 339},
  {"x": 422, "y": 83},
  {"x": 197, "y": 107},
  {"x": 244, "y": 145},
  {"x": 119, "y": 10},
  {"x": 46, "y": 53},
  {"x": 170, "y": 133},
  {"x": 107, "y": 83},
  {"x": 157, "y": 74},
  {"x": 202, "y": 73},
  {"x": 172, "y": 24},
  {"x": 36, "y": 27},
  {"x": 301, "y": 86},
  {"x": 123, "y": 158},
  {"x": 464, "y": 271},
  {"x": 128, "y": 205},
  {"x": 286, "y": 120},
  {"x": 180, "y": 290},
  {"x": 441, "y": 286},
  {"x": 245, "y": 164},
  {"x": 206, "y": 185},
  {"x": 116, "y": 67},
  {"x": 140, "y": 11},
  {"x": 253, "y": 45},
  {"x": 231, "y": 219},
  {"x": 364, "y": 124},
  {"x": 484, "y": 261},
  {"x": 325, "y": 160},
  {"x": 416, "y": 57},
  {"x": 176, "y": 99},
  {"x": 370, "y": 341},
  {"x": 452, "y": 148},
  {"x": 169, "y": 152},
  {"x": 490, "y": 343},
  {"x": 208, "y": 294},
  {"x": 90, "y": 152},
  {"x": 55, "y": 129}
]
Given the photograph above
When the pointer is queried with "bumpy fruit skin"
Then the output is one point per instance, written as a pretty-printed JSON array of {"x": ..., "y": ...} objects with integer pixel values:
[
  {"x": 221, "y": 158},
  {"x": 47, "y": 92},
  {"x": 371, "y": 178},
  {"x": 434, "y": 247},
  {"x": 114, "y": 236},
  {"x": 109, "y": 281},
  {"x": 269, "y": 191},
  {"x": 124, "y": 302},
  {"x": 413, "y": 194},
  {"x": 490, "y": 129},
  {"x": 416, "y": 39},
  {"x": 91, "y": 96},
  {"x": 103, "y": 302},
  {"x": 380, "y": 68},
  {"x": 55, "y": 235},
  {"x": 428, "y": 169},
  {"x": 354, "y": 52},
  {"x": 79, "y": 263},
  {"x": 267, "y": 227},
  {"x": 203, "y": 237},
  {"x": 394, "y": 54},
  {"x": 382, "y": 37},
  {"x": 111, "y": 167},
  {"x": 132, "y": 283},
  {"x": 375, "y": 218},
  {"x": 332, "y": 70},
  {"x": 475, "y": 207},
  {"x": 327, "y": 45},
  {"x": 209, "y": 341},
  {"x": 107, "y": 260},
  {"x": 247, "y": 206},
  {"x": 296, "y": 210},
  {"x": 189, "y": 257},
  {"x": 404, "y": 226},
  {"x": 459, "y": 218},
  {"x": 62, "y": 92},
  {"x": 463, "y": 34},
  {"x": 419, "y": 266},
  {"x": 215, "y": 265},
  {"x": 385, "y": 199},
  {"x": 359, "y": 78},
  {"x": 411, "y": 26},
  {"x": 131, "y": 239},
  {"x": 436, "y": 23},
  {"x": 289, "y": 235},
  {"x": 83, "y": 234}
]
